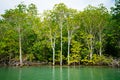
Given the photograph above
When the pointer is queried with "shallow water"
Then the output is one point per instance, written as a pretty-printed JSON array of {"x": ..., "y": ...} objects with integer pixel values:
[{"x": 59, "y": 73}]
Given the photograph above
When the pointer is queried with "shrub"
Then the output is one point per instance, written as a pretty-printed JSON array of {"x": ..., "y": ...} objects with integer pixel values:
[
  {"x": 74, "y": 58},
  {"x": 97, "y": 60}
]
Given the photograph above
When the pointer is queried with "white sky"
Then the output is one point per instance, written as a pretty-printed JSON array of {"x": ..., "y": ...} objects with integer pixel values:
[{"x": 48, "y": 4}]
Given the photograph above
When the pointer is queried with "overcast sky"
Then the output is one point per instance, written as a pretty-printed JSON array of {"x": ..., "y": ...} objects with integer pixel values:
[{"x": 48, "y": 4}]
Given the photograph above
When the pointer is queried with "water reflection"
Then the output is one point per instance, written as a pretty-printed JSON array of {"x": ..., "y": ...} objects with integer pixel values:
[
  {"x": 57, "y": 73},
  {"x": 68, "y": 73},
  {"x": 63, "y": 73},
  {"x": 53, "y": 73},
  {"x": 20, "y": 72},
  {"x": 91, "y": 74},
  {"x": 60, "y": 72},
  {"x": 101, "y": 75}
]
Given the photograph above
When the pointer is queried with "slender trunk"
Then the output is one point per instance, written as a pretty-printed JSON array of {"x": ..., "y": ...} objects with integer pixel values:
[
  {"x": 61, "y": 15},
  {"x": 53, "y": 56},
  {"x": 68, "y": 47},
  {"x": 61, "y": 46},
  {"x": 91, "y": 48},
  {"x": 53, "y": 46},
  {"x": 54, "y": 52},
  {"x": 20, "y": 47},
  {"x": 100, "y": 49},
  {"x": 91, "y": 42}
]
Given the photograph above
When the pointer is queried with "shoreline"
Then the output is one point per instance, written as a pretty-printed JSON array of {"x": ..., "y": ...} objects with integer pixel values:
[{"x": 29, "y": 64}]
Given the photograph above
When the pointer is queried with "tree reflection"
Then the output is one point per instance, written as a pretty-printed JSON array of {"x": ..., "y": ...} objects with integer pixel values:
[
  {"x": 60, "y": 72},
  {"x": 20, "y": 73},
  {"x": 53, "y": 73},
  {"x": 68, "y": 73}
]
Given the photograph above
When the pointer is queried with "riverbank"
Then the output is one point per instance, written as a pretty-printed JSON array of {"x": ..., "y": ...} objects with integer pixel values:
[{"x": 113, "y": 63}]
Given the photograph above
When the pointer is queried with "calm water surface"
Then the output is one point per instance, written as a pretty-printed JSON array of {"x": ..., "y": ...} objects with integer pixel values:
[{"x": 59, "y": 73}]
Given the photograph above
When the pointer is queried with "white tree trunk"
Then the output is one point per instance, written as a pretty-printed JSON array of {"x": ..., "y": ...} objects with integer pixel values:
[
  {"x": 54, "y": 52},
  {"x": 91, "y": 48},
  {"x": 53, "y": 46},
  {"x": 20, "y": 48},
  {"x": 100, "y": 49},
  {"x": 69, "y": 39},
  {"x": 61, "y": 45},
  {"x": 61, "y": 15}
]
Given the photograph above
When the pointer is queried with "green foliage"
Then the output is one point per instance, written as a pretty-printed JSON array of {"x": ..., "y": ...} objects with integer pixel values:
[
  {"x": 57, "y": 58},
  {"x": 98, "y": 60},
  {"x": 30, "y": 57},
  {"x": 102, "y": 60},
  {"x": 83, "y": 33},
  {"x": 74, "y": 58},
  {"x": 113, "y": 32},
  {"x": 76, "y": 47}
]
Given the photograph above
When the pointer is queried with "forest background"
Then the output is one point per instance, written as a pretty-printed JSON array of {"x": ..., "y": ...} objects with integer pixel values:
[{"x": 61, "y": 35}]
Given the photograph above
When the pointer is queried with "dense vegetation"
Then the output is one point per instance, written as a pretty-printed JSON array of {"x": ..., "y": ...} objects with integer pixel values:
[{"x": 61, "y": 35}]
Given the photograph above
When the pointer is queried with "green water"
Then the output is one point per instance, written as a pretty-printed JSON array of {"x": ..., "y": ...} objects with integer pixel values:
[{"x": 59, "y": 73}]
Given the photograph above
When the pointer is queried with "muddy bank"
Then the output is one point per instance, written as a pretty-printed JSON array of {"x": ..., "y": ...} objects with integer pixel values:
[{"x": 114, "y": 63}]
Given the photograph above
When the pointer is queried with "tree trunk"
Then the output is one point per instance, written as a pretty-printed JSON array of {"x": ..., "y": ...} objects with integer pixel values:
[
  {"x": 100, "y": 49},
  {"x": 54, "y": 52},
  {"x": 53, "y": 46},
  {"x": 68, "y": 47},
  {"x": 20, "y": 47},
  {"x": 53, "y": 56},
  {"x": 61, "y": 45},
  {"x": 91, "y": 48},
  {"x": 61, "y": 15}
]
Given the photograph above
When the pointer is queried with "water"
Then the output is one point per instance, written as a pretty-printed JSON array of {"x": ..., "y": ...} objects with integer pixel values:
[{"x": 59, "y": 73}]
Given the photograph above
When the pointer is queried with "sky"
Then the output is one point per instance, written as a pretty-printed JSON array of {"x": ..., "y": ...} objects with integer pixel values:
[{"x": 48, "y": 4}]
